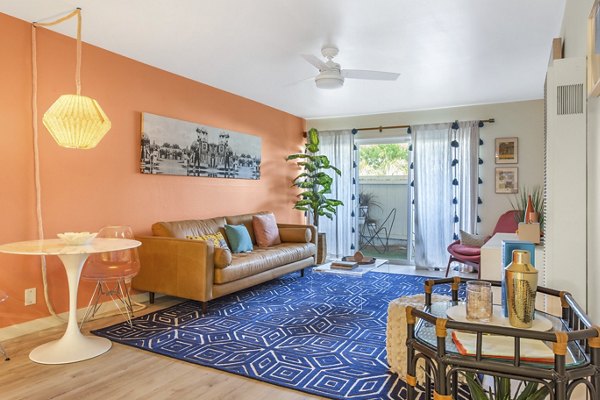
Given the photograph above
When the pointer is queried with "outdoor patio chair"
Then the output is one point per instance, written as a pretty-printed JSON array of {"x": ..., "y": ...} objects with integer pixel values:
[{"x": 378, "y": 235}]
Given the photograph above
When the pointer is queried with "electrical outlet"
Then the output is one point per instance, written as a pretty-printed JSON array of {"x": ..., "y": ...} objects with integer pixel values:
[{"x": 30, "y": 296}]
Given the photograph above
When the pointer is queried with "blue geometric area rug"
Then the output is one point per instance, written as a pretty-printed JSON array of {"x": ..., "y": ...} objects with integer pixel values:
[{"x": 322, "y": 334}]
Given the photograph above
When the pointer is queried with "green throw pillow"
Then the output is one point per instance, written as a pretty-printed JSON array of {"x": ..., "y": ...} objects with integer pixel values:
[{"x": 239, "y": 238}]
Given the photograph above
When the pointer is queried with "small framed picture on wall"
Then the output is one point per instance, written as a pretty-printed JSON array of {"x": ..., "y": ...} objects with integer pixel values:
[
  {"x": 507, "y": 150},
  {"x": 507, "y": 180}
]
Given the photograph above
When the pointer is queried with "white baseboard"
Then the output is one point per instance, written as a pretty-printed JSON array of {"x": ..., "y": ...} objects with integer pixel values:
[{"x": 51, "y": 321}]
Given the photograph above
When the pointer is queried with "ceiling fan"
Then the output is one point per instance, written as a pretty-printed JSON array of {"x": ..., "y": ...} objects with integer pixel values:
[{"x": 331, "y": 75}]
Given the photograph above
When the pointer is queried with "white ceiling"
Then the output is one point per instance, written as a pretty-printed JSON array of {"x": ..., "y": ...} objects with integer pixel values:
[{"x": 449, "y": 53}]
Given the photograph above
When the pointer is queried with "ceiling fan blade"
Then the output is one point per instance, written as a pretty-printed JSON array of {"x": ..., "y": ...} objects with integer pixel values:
[
  {"x": 314, "y": 60},
  {"x": 310, "y": 78},
  {"x": 373, "y": 75}
]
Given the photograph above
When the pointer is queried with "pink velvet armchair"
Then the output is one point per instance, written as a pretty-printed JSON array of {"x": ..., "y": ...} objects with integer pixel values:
[{"x": 471, "y": 255}]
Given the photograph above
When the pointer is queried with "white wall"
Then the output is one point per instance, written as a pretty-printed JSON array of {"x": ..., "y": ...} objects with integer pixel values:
[
  {"x": 574, "y": 33},
  {"x": 524, "y": 120},
  {"x": 574, "y": 27}
]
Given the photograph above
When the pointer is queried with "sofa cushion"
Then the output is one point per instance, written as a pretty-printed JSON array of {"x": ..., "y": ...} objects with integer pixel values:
[
  {"x": 217, "y": 239},
  {"x": 295, "y": 235},
  {"x": 466, "y": 250},
  {"x": 263, "y": 259},
  {"x": 192, "y": 227},
  {"x": 222, "y": 257},
  {"x": 239, "y": 238},
  {"x": 265, "y": 230},
  {"x": 246, "y": 220}
]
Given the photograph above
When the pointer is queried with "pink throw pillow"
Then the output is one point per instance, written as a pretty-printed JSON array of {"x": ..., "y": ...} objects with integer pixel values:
[{"x": 265, "y": 230}]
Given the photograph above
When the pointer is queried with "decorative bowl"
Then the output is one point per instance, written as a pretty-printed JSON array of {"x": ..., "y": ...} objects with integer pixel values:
[{"x": 77, "y": 238}]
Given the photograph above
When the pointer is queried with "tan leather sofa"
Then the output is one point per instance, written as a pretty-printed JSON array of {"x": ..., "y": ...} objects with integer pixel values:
[{"x": 195, "y": 269}]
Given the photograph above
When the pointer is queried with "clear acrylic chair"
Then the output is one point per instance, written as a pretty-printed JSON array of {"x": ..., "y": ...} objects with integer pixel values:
[
  {"x": 112, "y": 272},
  {"x": 3, "y": 296}
]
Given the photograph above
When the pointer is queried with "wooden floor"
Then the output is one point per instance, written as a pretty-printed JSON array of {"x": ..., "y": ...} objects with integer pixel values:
[
  {"x": 123, "y": 373},
  {"x": 129, "y": 373}
]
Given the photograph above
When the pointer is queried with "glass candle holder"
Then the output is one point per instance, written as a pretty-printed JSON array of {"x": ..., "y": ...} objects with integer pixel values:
[{"x": 479, "y": 301}]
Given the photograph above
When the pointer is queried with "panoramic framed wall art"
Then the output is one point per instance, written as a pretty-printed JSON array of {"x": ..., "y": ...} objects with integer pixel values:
[
  {"x": 175, "y": 147},
  {"x": 507, "y": 150}
]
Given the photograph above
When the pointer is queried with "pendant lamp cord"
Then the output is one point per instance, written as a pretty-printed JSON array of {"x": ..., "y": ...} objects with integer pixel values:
[
  {"x": 76, "y": 12},
  {"x": 78, "y": 67},
  {"x": 34, "y": 117},
  {"x": 36, "y": 164}
]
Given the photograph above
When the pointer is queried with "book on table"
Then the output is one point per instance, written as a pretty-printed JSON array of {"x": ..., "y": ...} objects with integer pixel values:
[{"x": 344, "y": 264}]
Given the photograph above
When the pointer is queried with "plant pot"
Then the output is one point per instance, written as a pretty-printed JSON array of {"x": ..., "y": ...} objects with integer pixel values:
[{"x": 321, "y": 248}]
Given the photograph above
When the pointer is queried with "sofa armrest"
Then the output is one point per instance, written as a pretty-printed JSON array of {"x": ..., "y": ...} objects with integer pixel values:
[
  {"x": 177, "y": 267},
  {"x": 313, "y": 230}
]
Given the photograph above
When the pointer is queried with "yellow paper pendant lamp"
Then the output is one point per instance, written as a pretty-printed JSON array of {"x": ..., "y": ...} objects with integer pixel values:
[{"x": 76, "y": 122}]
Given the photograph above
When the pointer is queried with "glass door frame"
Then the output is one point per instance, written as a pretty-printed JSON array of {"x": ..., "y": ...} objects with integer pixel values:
[{"x": 396, "y": 139}]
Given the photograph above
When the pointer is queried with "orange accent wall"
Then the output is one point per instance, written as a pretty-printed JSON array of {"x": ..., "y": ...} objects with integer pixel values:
[{"x": 83, "y": 190}]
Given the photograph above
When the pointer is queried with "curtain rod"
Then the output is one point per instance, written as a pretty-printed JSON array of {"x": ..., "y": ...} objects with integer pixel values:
[{"x": 380, "y": 128}]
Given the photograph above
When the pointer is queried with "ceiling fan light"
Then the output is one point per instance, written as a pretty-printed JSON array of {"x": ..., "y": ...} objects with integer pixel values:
[{"x": 329, "y": 81}]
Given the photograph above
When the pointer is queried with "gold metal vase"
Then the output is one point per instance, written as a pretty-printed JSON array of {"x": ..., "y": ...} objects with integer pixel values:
[{"x": 521, "y": 284}]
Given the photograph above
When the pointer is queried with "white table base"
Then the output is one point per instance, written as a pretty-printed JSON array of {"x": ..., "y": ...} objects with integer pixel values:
[
  {"x": 71, "y": 349},
  {"x": 73, "y": 346}
]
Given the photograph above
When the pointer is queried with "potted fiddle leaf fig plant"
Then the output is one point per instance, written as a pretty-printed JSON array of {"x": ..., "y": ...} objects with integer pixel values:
[{"x": 315, "y": 184}]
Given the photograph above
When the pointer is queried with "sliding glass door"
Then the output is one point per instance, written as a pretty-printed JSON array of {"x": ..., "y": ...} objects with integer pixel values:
[{"x": 384, "y": 210}]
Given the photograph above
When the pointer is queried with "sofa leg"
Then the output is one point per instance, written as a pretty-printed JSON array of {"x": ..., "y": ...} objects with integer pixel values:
[
  {"x": 151, "y": 295},
  {"x": 204, "y": 306},
  {"x": 302, "y": 273}
]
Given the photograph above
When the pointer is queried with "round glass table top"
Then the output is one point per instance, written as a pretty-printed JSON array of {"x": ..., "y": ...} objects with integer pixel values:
[{"x": 59, "y": 247}]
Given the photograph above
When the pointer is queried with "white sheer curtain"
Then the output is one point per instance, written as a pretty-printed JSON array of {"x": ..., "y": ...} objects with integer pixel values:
[
  {"x": 467, "y": 173},
  {"x": 437, "y": 163},
  {"x": 434, "y": 211},
  {"x": 338, "y": 146}
]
